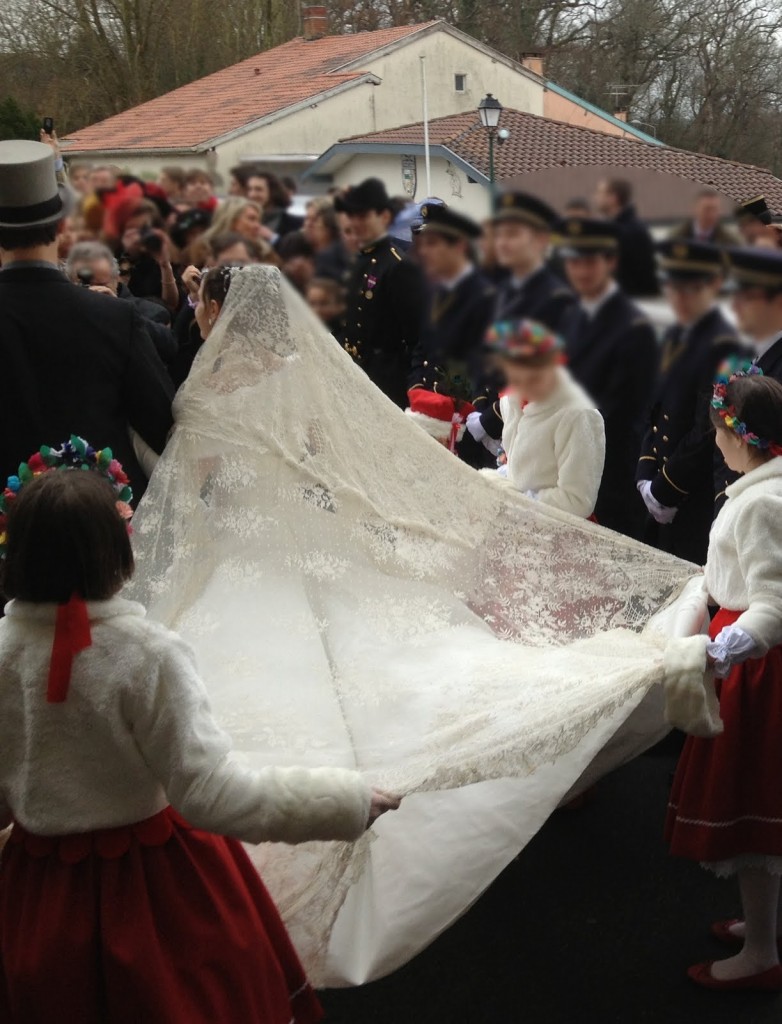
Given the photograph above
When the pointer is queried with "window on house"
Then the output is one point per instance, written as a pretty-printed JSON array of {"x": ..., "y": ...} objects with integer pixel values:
[{"x": 460, "y": 83}]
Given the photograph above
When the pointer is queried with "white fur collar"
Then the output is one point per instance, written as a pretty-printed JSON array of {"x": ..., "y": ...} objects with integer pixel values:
[
  {"x": 98, "y": 610},
  {"x": 767, "y": 471}
]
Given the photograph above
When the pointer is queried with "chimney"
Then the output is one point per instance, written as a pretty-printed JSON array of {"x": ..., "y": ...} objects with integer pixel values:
[
  {"x": 533, "y": 62},
  {"x": 621, "y": 114},
  {"x": 315, "y": 23}
]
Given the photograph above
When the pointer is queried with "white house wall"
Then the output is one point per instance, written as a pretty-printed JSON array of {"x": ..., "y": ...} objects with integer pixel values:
[{"x": 448, "y": 182}]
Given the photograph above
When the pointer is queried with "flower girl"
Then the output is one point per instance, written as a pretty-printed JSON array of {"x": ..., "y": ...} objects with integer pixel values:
[
  {"x": 726, "y": 804},
  {"x": 553, "y": 436},
  {"x": 120, "y": 899}
]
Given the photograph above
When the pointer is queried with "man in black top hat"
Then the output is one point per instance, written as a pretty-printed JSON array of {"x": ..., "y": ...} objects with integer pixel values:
[
  {"x": 386, "y": 294},
  {"x": 756, "y": 282},
  {"x": 73, "y": 362},
  {"x": 522, "y": 226},
  {"x": 612, "y": 353},
  {"x": 676, "y": 470},
  {"x": 449, "y": 357}
]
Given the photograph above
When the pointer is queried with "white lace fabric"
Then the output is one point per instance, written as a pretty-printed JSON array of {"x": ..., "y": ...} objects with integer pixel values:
[{"x": 357, "y": 596}]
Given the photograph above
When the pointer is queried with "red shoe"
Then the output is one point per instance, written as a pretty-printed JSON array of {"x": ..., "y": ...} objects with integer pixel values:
[
  {"x": 766, "y": 981},
  {"x": 721, "y": 931}
]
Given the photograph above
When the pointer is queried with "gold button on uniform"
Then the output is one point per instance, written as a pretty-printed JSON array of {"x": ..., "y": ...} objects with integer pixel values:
[
  {"x": 665, "y": 437},
  {"x": 654, "y": 430}
]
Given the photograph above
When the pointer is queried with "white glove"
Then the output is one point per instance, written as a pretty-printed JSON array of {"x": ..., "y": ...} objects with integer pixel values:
[
  {"x": 730, "y": 647},
  {"x": 503, "y": 471},
  {"x": 660, "y": 513},
  {"x": 531, "y": 494},
  {"x": 476, "y": 430}
]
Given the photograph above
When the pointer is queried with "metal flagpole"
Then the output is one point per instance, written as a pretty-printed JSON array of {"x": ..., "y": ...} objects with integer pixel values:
[{"x": 427, "y": 154}]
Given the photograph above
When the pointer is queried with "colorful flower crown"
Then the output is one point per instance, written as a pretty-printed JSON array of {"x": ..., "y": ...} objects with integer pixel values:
[
  {"x": 73, "y": 454},
  {"x": 524, "y": 339},
  {"x": 730, "y": 371}
]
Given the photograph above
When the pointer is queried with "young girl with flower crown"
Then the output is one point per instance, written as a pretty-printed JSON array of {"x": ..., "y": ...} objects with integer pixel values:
[
  {"x": 122, "y": 899},
  {"x": 726, "y": 803},
  {"x": 553, "y": 436}
]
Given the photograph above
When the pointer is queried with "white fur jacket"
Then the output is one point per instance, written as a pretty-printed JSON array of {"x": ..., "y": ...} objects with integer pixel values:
[
  {"x": 136, "y": 733},
  {"x": 744, "y": 565},
  {"x": 556, "y": 448}
]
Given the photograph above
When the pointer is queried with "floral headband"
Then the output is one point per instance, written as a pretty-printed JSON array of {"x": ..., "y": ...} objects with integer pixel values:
[
  {"x": 73, "y": 454},
  {"x": 730, "y": 371},
  {"x": 523, "y": 339}
]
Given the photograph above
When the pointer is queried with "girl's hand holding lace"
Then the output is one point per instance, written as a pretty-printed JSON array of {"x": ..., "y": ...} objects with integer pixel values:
[{"x": 382, "y": 802}]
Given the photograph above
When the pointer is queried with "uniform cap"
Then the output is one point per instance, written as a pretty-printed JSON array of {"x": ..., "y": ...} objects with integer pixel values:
[
  {"x": 755, "y": 268},
  {"x": 687, "y": 260},
  {"x": 442, "y": 219},
  {"x": 583, "y": 236},
  {"x": 369, "y": 195},
  {"x": 525, "y": 208}
]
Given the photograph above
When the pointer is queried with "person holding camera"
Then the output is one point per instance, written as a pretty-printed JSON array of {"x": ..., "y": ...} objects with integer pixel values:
[
  {"x": 73, "y": 362},
  {"x": 92, "y": 265},
  {"x": 144, "y": 252}
]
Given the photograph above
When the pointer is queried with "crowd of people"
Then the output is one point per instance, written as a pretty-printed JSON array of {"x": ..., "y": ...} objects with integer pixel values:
[{"x": 521, "y": 344}]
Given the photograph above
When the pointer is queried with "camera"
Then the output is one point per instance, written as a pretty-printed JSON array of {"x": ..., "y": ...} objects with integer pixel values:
[
  {"x": 48, "y": 125},
  {"x": 151, "y": 242},
  {"x": 86, "y": 277}
]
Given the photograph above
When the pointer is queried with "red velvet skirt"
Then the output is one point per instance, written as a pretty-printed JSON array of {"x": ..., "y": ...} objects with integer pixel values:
[
  {"x": 157, "y": 923},
  {"x": 727, "y": 794}
]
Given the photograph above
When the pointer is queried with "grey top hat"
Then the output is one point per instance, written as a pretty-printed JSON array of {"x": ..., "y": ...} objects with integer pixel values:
[{"x": 30, "y": 195}]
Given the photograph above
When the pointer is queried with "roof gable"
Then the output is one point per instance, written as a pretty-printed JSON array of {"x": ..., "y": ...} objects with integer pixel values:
[{"x": 237, "y": 97}]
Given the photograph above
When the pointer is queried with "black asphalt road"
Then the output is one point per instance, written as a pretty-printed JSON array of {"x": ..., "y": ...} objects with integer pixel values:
[{"x": 593, "y": 923}]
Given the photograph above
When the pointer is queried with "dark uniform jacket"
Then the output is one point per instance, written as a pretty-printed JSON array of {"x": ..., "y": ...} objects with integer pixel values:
[
  {"x": 543, "y": 297},
  {"x": 386, "y": 299},
  {"x": 637, "y": 269},
  {"x": 613, "y": 355},
  {"x": 677, "y": 454},
  {"x": 771, "y": 365},
  {"x": 75, "y": 362},
  {"x": 452, "y": 334}
]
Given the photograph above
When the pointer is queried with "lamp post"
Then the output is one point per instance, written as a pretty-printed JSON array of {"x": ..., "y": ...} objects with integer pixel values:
[{"x": 489, "y": 110}]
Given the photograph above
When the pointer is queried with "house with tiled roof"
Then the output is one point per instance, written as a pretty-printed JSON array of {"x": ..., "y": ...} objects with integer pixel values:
[
  {"x": 537, "y": 154},
  {"x": 285, "y": 106}
]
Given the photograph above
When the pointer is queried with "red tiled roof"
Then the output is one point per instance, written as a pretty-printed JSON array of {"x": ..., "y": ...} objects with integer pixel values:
[
  {"x": 540, "y": 144},
  {"x": 236, "y": 96}
]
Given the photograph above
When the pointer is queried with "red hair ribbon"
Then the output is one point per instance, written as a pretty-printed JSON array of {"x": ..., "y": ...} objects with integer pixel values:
[{"x": 71, "y": 635}]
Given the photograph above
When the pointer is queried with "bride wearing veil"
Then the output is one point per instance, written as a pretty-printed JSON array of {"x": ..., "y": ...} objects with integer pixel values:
[{"x": 357, "y": 596}]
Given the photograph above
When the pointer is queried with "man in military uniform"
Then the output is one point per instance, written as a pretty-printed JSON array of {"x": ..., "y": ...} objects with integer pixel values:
[
  {"x": 756, "y": 281},
  {"x": 612, "y": 353},
  {"x": 449, "y": 358},
  {"x": 385, "y": 294},
  {"x": 676, "y": 470},
  {"x": 522, "y": 226}
]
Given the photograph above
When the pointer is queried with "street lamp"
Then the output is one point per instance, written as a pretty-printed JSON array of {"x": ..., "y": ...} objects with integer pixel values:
[{"x": 489, "y": 110}]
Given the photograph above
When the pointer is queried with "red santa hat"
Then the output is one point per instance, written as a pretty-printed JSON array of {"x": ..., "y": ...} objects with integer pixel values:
[{"x": 441, "y": 416}]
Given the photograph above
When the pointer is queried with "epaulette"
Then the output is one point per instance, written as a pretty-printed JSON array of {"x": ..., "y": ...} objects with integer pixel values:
[
  {"x": 395, "y": 253},
  {"x": 725, "y": 339},
  {"x": 641, "y": 321}
]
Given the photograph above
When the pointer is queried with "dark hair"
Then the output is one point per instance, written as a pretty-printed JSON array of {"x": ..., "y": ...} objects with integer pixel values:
[
  {"x": 175, "y": 174},
  {"x": 758, "y": 404},
  {"x": 196, "y": 174},
  {"x": 278, "y": 197},
  {"x": 326, "y": 213},
  {"x": 621, "y": 189},
  {"x": 217, "y": 284},
  {"x": 243, "y": 173},
  {"x": 27, "y": 238},
  {"x": 66, "y": 537},
  {"x": 294, "y": 244}
]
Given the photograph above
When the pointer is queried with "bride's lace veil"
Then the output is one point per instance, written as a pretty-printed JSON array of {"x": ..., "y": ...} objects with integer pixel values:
[{"x": 358, "y": 596}]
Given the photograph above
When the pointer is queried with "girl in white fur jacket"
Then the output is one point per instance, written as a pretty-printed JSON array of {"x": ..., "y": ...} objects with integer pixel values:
[
  {"x": 120, "y": 899},
  {"x": 553, "y": 435},
  {"x": 726, "y": 803}
]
